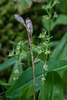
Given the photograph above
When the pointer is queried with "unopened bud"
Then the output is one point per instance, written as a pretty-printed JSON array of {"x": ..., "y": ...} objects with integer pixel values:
[
  {"x": 29, "y": 26},
  {"x": 19, "y": 19}
]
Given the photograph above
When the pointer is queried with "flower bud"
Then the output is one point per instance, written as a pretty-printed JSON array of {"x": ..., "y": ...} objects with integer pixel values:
[
  {"x": 19, "y": 19},
  {"x": 29, "y": 26}
]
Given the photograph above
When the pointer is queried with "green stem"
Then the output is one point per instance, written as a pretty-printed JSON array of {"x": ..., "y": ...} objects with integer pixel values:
[
  {"x": 46, "y": 57},
  {"x": 49, "y": 29},
  {"x": 49, "y": 33},
  {"x": 44, "y": 72}
]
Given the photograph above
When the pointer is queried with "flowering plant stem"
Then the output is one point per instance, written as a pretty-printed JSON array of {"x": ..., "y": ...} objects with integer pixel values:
[
  {"x": 29, "y": 38},
  {"x": 49, "y": 33},
  {"x": 29, "y": 29}
]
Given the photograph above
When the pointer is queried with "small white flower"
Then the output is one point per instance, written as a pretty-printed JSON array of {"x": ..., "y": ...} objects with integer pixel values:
[
  {"x": 45, "y": 66},
  {"x": 43, "y": 78},
  {"x": 15, "y": 78},
  {"x": 16, "y": 71},
  {"x": 47, "y": 51}
]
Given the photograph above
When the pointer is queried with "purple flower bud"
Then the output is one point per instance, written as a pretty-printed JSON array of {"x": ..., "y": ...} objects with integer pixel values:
[
  {"x": 29, "y": 26},
  {"x": 19, "y": 19}
]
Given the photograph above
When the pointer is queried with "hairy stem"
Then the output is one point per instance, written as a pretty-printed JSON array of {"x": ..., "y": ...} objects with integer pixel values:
[{"x": 32, "y": 62}]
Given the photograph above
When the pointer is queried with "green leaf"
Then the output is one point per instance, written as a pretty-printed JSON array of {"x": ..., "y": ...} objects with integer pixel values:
[
  {"x": 54, "y": 43},
  {"x": 8, "y": 63},
  {"x": 21, "y": 6},
  {"x": 60, "y": 52},
  {"x": 16, "y": 71},
  {"x": 52, "y": 89},
  {"x": 62, "y": 19},
  {"x": 4, "y": 83},
  {"x": 29, "y": 2},
  {"x": 63, "y": 6},
  {"x": 26, "y": 93},
  {"x": 0, "y": 45},
  {"x": 64, "y": 78},
  {"x": 12, "y": 42},
  {"x": 24, "y": 4},
  {"x": 57, "y": 65},
  {"x": 26, "y": 78}
]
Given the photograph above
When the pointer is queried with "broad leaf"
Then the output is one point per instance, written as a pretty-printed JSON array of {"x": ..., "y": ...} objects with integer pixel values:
[
  {"x": 63, "y": 6},
  {"x": 6, "y": 85},
  {"x": 27, "y": 92},
  {"x": 8, "y": 63},
  {"x": 16, "y": 71},
  {"x": 61, "y": 20},
  {"x": 57, "y": 65},
  {"x": 26, "y": 78},
  {"x": 52, "y": 89},
  {"x": 60, "y": 52},
  {"x": 64, "y": 78}
]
